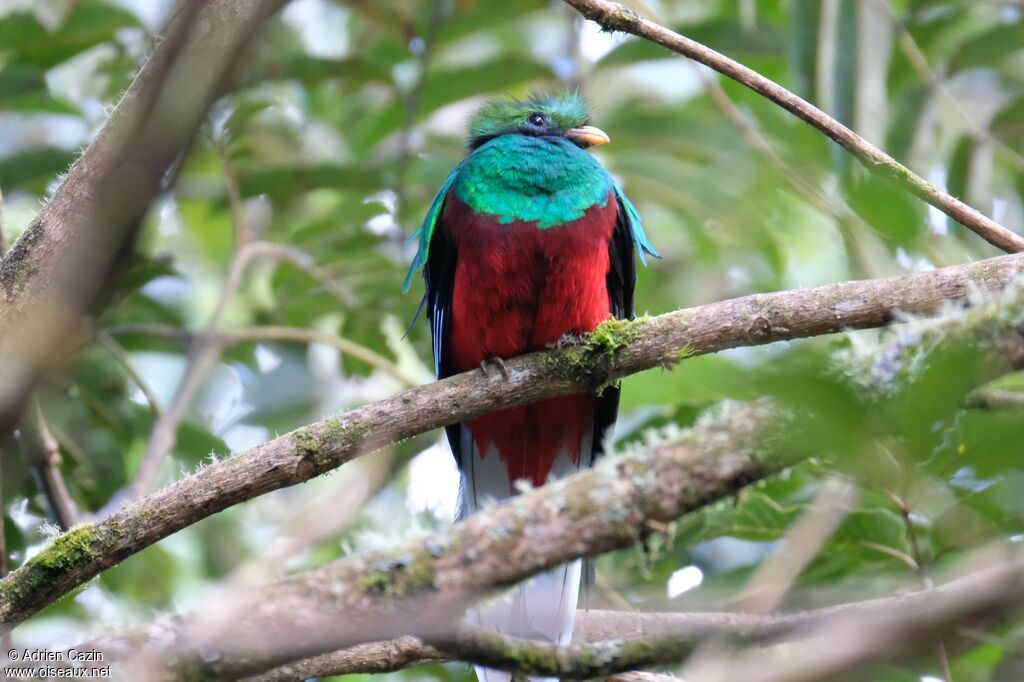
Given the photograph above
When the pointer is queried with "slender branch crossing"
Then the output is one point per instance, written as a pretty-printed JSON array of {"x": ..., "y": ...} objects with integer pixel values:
[{"x": 613, "y": 16}]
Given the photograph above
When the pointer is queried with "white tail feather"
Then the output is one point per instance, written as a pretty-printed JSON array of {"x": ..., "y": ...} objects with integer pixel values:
[{"x": 544, "y": 607}]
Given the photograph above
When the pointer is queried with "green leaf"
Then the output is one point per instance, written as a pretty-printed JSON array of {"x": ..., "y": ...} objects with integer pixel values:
[
  {"x": 756, "y": 517},
  {"x": 1003, "y": 393},
  {"x": 40, "y": 103},
  {"x": 725, "y": 36},
  {"x": 878, "y": 526},
  {"x": 197, "y": 445},
  {"x": 803, "y": 45},
  {"x": 889, "y": 209},
  {"x": 907, "y": 119},
  {"x": 280, "y": 182},
  {"x": 34, "y": 169},
  {"x": 90, "y": 23},
  {"x": 1002, "y": 42},
  {"x": 17, "y": 80},
  {"x": 1008, "y": 124},
  {"x": 844, "y": 78}
]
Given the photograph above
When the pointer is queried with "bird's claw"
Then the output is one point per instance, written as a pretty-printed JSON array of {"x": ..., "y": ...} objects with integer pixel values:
[
  {"x": 567, "y": 340},
  {"x": 497, "y": 362}
]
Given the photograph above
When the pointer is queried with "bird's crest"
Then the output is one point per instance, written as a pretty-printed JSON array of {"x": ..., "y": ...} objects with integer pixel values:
[{"x": 561, "y": 111}]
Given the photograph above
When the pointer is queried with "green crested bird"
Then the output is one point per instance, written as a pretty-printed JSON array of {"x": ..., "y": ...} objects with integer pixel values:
[{"x": 528, "y": 240}]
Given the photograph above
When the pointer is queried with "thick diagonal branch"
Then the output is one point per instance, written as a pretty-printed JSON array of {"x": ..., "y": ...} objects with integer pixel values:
[
  {"x": 614, "y": 350},
  {"x": 613, "y": 16},
  {"x": 63, "y": 263}
]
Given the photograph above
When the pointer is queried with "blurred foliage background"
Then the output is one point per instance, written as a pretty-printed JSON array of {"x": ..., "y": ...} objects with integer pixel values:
[{"x": 342, "y": 124}]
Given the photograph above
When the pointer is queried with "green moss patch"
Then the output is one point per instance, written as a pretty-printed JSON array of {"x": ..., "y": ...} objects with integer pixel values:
[{"x": 402, "y": 578}]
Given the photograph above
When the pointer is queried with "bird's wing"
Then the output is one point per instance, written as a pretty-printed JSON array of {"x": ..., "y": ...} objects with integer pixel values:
[
  {"x": 424, "y": 236},
  {"x": 437, "y": 256},
  {"x": 629, "y": 220},
  {"x": 622, "y": 250}
]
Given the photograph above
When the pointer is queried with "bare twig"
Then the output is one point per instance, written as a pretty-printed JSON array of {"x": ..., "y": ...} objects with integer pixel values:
[
  {"x": 350, "y": 492},
  {"x": 775, "y": 576},
  {"x": 119, "y": 354},
  {"x": 765, "y": 590},
  {"x": 854, "y": 636},
  {"x": 205, "y": 353},
  {"x": 202, "y": 358},
  {"x": 614, "y": 16},
  {"x": 720, "y": 98},
  {"x": 414, "y": 99},
  {"x": 641, "y": 676},
  {"x": 595, "y": 625},
  {"x": 278, "y": 333},
  {"x": 342, "y": 344},
  {"x": 41, "y": 454},
  {"x": 377, "y": 657},
  {"x": 840, "y": 213},
  {"x": 598, "y": 626},
  {"x": 642, "y": 344}
]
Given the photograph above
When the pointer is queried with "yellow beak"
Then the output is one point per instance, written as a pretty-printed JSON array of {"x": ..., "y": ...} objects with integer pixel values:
[{"x": 588, "y": 135}]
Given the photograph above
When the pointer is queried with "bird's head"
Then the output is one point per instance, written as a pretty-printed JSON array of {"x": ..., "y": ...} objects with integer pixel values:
[{"x": 561, "y": 115}]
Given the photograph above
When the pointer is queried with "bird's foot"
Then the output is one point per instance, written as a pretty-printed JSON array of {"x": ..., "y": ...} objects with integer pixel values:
[
  {"x": 567, "y": 340},
  {"x": 496, "y": 362}
]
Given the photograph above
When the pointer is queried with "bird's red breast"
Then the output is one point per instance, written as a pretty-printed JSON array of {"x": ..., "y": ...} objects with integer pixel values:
[{"x": 518, "y": 289}]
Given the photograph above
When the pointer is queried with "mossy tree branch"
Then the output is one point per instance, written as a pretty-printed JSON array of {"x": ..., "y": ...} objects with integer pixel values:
[
  {"x": 611, "y": 352},
  {"x": 423, "y": 587},
  {"x": 613, "y": 16},
  {"x": 591, "y": 626}
]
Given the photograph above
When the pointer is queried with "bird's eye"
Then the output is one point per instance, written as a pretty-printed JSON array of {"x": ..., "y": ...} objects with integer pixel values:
[{"x": 537, "y": 119}]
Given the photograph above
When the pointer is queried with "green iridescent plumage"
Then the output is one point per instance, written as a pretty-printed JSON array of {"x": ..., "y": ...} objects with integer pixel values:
[
  {"x": 521, "y": 167},
  {"x": 550, "y": 181},
  {"x": 566, "y": 110}
]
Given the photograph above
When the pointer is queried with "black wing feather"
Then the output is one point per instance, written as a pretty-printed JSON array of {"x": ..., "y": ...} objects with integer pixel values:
[
  {"x": 439, "y": 280},
  {"x": 621, "y": 280}
]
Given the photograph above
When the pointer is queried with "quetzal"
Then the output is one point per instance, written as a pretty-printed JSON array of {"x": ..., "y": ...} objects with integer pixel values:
[{"x": 529, "y": 239}]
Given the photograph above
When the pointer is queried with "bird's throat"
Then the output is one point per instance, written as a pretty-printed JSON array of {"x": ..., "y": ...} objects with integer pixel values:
[{"x": 547, "y": 181}]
